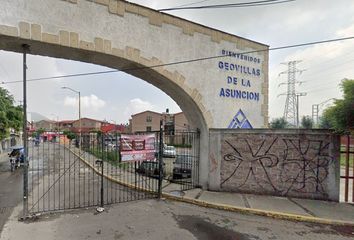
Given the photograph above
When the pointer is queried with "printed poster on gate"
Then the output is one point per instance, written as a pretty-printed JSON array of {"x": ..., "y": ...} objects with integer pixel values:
[{"x": 138, "y": 147}]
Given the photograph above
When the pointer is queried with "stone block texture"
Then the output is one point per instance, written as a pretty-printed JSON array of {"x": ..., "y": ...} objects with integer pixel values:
[{"x": 284, "y": 164}]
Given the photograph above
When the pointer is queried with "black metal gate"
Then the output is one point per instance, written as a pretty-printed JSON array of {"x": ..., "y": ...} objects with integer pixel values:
[
  {"x": 66, "y": 173},
  {"x": 181, "y": 159},
  {"x": 347, "y": 167}
]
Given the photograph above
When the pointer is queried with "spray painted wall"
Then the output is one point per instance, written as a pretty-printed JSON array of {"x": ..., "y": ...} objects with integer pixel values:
[{"x": 296, "y": 163}]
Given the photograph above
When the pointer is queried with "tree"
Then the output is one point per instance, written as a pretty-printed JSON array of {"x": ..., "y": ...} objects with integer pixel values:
[
  {"x": 10, "y": 115},
  {"x": 279, "y": 123},
  {"x": 70, "y": 135},
  {"x": 324, "y": 123},
  {"x": 340, "y": 116},
  {"x": 306, "y": 122}
]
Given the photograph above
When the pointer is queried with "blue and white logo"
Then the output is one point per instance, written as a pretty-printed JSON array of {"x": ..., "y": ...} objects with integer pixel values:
[{"x": 240, "y": 121}]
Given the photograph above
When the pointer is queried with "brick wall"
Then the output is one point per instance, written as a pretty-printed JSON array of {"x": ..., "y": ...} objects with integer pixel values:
[{"x": 296, "y": 163}]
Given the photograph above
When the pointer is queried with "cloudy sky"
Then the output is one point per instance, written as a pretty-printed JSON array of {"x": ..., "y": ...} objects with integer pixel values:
[{"x": 116, "y": 96}]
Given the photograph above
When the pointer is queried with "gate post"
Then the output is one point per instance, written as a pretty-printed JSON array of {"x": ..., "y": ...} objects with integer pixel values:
[
  {"x": 347, "y": 159},
  {"x": 25, "y": 145},
  {"x": 100, "y": 163},
  {"x": 160, "y": 161}
]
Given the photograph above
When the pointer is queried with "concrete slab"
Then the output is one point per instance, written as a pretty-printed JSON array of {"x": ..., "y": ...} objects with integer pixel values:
[
  {"x": 232, "y": 199},
  {"x": 277, "y": 204},
  {"x": 171, "y": 187},
  {"x": 330, "y": 210},
  {"x": 193, "y": 193}
]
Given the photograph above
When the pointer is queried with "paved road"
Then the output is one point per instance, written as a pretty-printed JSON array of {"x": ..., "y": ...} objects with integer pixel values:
[
  {"x": 60, "y": 180},
  {"x": 153, "y": 219},
  {"x": 10, "y": 189},
  {"x": 147, "y": 219}
]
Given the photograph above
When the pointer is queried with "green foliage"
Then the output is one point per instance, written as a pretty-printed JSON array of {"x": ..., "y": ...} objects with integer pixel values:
[
  {"x": 10, "y": 116},
  {"x": 40, "y": 131},
  {"x": 109, "y": 156},
  {"x": 70, "y": 135},
  {"x": 279, "y": 123},
  {"x": 306, "y": 122},
  {"x": 340, "y": 116}
]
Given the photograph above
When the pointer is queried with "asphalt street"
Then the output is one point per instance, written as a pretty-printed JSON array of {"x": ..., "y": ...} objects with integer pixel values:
[
  {"x": 10, "y": 189},
  {"x": 55, "y": 169},
  {"x": 153, "y": 219}
]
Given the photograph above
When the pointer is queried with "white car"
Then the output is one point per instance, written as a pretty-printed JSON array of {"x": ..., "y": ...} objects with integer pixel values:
[{"x": 169, "y": 151}]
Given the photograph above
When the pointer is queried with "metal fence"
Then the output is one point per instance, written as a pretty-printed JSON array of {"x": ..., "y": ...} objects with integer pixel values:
[
  {"x": 181, "y": 158},
  {"x": 64, "y": 174},
  {"x": 67, "y": 174},
  {"x": 347, "y": 167}
]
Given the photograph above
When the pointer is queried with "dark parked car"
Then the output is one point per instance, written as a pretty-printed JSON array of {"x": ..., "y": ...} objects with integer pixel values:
[
  {"x": 182, "y": 167},
  {"x": 149, "y": 168}
]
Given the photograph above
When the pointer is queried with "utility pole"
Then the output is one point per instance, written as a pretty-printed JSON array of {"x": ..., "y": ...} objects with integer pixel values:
[
  {"x": 291, "y": 110},
  {"x": 25, "y": 49},
  {"x": 316, "y": 110},
  {"x": 297, "y": 107}
]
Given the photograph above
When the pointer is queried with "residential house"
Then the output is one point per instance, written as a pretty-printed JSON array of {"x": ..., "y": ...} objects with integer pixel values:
[
  {"x": 180, "y": 122},
  {"x": 87, "y": 125},
  {"x": 47, "y": 125},
  {"x": 146, "y": 121},
  {"x": 66, "y": 125}
]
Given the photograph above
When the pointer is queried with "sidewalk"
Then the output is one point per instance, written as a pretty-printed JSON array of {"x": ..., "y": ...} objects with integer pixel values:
[{"x": 278, "y": 207}]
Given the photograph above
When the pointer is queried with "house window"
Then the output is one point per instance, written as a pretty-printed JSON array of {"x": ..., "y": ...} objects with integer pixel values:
[
  {"x": 148, "y": 119},
  {"x": 148, "y": 129}
]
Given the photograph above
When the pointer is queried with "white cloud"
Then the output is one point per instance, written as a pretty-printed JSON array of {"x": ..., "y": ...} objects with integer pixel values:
[
  {"x": 137, "y": 105},
  {"x": 326, "y": 65},
  {"x": 91, "y": 102}
]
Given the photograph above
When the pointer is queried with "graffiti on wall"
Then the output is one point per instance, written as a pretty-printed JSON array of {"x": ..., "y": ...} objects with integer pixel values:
[{"x": 279, "y": 165}]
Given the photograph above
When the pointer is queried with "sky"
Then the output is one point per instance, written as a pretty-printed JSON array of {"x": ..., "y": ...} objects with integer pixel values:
[{"x": 290, "y": 23}]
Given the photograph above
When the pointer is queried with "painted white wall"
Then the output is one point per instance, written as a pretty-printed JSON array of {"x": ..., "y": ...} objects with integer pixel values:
[{"x": 168, "y": 44}]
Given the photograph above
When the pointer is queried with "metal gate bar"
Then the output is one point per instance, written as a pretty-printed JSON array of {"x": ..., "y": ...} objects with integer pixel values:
[
  {"x": 63, "y": 177},
  {"x": 348, "y": 153}
]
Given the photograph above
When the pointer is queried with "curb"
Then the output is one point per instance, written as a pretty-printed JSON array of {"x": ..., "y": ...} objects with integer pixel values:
[
  {"x": 109, "y": 177},
  {"x": 259, "y": 212},
  {"x": 250, "y": 211}
]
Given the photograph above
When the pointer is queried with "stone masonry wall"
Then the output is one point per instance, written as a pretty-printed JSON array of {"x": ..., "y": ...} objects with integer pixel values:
[{"x": 294, "y": 163}]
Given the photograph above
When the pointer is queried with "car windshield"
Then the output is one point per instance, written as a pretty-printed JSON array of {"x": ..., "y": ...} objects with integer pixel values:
[{"x": 170, "y": 148}]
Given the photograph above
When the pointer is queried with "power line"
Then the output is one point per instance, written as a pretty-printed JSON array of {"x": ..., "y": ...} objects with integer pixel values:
[
  {"x": 182, "y": 62},
  {"x": 193, "y": 3},
  {"x": 230, "y": 5}
]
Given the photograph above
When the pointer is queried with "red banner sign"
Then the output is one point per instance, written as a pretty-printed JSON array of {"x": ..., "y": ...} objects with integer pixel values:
[{"x": 138, "y": 147}]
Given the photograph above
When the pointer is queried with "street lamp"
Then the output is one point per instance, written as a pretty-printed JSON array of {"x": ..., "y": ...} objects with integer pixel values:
[
  {"x": 316, "y": 109},
  {"x": 78, "y": 92},
  {"x": 57, "y": 121}
]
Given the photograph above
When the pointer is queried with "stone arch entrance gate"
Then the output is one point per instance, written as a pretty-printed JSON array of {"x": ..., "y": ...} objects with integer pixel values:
[{"x": 228, "y": 91}]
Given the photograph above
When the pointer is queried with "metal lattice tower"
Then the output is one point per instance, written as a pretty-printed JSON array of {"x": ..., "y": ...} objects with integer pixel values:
[{"x": 291, "y": 113}]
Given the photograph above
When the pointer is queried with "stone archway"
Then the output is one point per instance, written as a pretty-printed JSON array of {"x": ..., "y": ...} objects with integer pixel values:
[{"x": 123, "y": 35}]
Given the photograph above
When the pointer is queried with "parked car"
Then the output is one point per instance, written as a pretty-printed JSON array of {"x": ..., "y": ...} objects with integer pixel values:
[
  {"x": 182, "y": 167},
  {"x": 149, "y": 168},
  {"x": 169, "y": 151}
]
